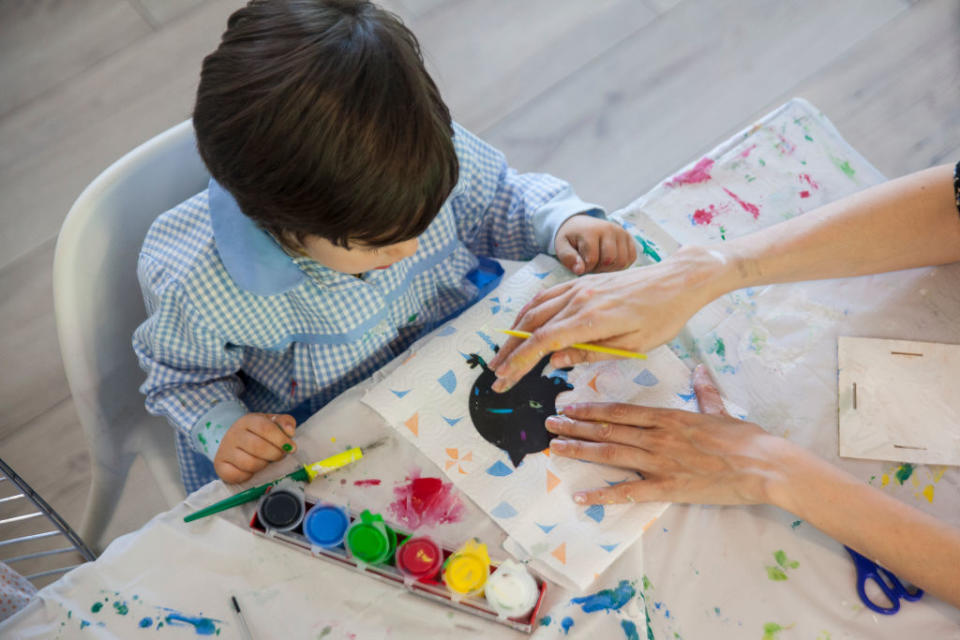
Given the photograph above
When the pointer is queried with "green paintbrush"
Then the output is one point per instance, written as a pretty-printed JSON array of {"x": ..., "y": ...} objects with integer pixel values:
[{"x": 306, "y": 473}]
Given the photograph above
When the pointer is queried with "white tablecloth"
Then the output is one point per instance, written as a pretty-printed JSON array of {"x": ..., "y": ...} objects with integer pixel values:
[{"x": 700, "y": 572}]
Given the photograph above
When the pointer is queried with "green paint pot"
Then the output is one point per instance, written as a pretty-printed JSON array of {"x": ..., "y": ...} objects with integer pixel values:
[{"x": 370, "y": 541}]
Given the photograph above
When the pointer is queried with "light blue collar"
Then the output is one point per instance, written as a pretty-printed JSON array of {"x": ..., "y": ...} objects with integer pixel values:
[{"x": 255, "y": 261}]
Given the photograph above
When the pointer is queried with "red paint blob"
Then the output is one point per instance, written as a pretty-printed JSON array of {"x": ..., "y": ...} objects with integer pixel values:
[
  {"x": 752, "y": 209},
  {"x": 366, "y": 483},
  {"x": 804, "y": 194},
  {"x": 699, "y": 173},
  {"x": 426, "y": 501},
  {"x": 702, "y": 216}
]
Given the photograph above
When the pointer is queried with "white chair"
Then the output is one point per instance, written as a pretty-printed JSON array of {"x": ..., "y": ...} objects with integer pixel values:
[{"x": 98, "y": 304}]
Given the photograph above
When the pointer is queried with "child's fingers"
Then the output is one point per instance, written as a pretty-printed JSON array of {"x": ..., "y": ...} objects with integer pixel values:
[
  {"x": 589, "y": 252},
  {"x": 228, "y": 472},
  {"x": 244, "y": 461},
  {"x": 266, "y": 439},
  {"x": 285, "y": 421},
  {"x": 608, "y": 252},
  {"x": 568, "y": 256}
]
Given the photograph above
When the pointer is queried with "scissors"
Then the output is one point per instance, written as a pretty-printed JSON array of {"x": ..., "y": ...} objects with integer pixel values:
[{"x": 889, "y": 584}]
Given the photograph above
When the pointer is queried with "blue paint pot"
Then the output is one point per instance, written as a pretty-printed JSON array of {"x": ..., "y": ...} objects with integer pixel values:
[{"x": 325, "y": 524}]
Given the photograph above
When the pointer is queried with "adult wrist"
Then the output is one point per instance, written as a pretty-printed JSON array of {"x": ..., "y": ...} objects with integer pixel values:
[{"x": 708, "y": 272}]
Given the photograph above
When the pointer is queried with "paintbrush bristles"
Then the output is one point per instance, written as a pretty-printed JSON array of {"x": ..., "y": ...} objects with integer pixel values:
[{"x": 375, "y": 444}]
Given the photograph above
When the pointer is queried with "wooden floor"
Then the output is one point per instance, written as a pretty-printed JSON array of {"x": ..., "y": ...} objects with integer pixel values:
[{"x": 609, "y": 94}]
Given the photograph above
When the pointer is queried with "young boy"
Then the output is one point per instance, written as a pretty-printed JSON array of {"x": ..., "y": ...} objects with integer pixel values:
[{"x": 347, "y": 216}]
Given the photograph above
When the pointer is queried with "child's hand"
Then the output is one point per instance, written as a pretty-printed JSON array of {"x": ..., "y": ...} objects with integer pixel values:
[
  {"x": 585, "y": 244},
  {"x": 253, "y": 442}
]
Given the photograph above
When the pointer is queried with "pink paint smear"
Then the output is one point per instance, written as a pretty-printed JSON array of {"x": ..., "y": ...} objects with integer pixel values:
[
  {"x": 752, "y": 209},
  {"x": 699, "y": 173},
  {"x": 366, "y": 483},
  {"x": 805, "y": 177},
  {"x": 746, "y": 152},
  {"x": 426, "y": 502},
  {"x": 704, "y": 216}
]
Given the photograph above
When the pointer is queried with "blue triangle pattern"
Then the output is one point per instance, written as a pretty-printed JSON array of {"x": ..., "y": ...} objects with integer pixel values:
[
  {"x": 609, "y": 547},
  {"x": 499, "y": 469},
  {"x": 399, "y": 394},
  {"x": 503, "y": 510},
  {"x": 448, "y": 381},
  {"x": 547, "y": 528},
  {"x": 452, "y": 421},
  {"x": 596, "y": 512},
  {"x": 446, "y": 331},
  {"x": 646, "y": 378}
]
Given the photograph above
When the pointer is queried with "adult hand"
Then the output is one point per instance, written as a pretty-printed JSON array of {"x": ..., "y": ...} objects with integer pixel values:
[
  {"x": 705, "y": 458},
  {"x": 636, "y": 310},
  {"x": 253, "y": 442}
]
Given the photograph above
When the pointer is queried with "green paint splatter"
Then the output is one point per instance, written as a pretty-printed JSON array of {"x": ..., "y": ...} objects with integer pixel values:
[
  {"x": 121, "y": 608},
  {"x": 96, "y": 607},
  {"x": 757, "y": 341},
  {"x": 716, "y": 610},
  {"x": 649, "y": 249},
  {"x": 770, "y": 631},
  {"x": 808, "y": 137},
  {"x": 796, "y": 523},
  {"x": 750, "y": 178},
  {"x": 781, "y": 557},
  {"x": 776, "y": 574},
  {"x": 903, "y": 472},
  {"x": 325, "y": 631},
  {"x": 723, "y": 233},
  {"x": 719, "y": 348},
  {"x": 202, "y": 438},
  {"x": 762, "y": 163},
  {"x": 208, "y": 425},
  {"x": 823, "y": 635},
  {"x": 646, "y": 583},
  {"x": 844, "y": 166},
  {"x": 412, "y": 318}
]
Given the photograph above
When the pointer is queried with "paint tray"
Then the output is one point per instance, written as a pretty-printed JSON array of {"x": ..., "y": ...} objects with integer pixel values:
[{"x": 431, "y": 589}]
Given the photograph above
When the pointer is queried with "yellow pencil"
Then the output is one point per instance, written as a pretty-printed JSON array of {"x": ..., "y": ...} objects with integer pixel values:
[{"x": 623, "y": 353}]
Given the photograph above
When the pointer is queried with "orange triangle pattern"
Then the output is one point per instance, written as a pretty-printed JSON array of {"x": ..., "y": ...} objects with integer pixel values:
[
  {"x": 460, "y": 469},
  {"x": 413, "y": 423},
  {"x": 468, "y": 457},
  {"x": 593, "y": 383},
  {"x": 450, "y": 463},
  {"x": 453, "y": 453},
  {"x": 560, "y": 553},
  {"x": 552, "y": 481},
  {"x": 546, "y": 452}
]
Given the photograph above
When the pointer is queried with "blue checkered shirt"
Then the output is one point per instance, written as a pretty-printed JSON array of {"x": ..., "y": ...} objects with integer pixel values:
[{"x": 236, "y": 325}]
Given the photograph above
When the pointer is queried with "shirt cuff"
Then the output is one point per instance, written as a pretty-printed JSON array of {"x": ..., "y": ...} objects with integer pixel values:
[
  {"x": 547, "y": 219},
  {"x": 210, "y": 428}
]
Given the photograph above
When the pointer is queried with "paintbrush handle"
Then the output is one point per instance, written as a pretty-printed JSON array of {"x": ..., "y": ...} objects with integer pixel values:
[
  {"x": 241, "y": 498},
  {"x": 623, "y": 353}
]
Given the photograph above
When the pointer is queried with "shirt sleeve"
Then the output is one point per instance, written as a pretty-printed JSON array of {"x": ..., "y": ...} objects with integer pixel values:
[
  {"x": 191, "y": 371},
  {"x": 505, "y": 214}
]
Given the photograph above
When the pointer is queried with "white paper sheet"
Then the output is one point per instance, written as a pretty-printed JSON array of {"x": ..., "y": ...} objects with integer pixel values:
[{"x": 899, "y": 401}]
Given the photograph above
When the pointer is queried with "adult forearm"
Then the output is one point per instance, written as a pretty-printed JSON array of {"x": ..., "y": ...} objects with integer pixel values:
[
  {"x": 907, "y": 222},
  {"x": 912, "y": 544}
]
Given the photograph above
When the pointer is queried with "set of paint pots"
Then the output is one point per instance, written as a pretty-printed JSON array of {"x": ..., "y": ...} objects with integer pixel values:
[{"x": 463, "y": 578}]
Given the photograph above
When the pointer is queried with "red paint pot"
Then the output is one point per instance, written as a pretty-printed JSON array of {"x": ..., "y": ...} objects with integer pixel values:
[{"x": 419, "y": 558}]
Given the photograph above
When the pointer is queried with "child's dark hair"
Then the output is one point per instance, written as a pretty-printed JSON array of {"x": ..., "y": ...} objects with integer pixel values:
[{"x": 319, "y": 117}]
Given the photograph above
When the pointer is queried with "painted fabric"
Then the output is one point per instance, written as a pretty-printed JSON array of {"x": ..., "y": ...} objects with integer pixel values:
[
  {"x": 236, "y": 325},
  {"x": 428, "y": 398}
]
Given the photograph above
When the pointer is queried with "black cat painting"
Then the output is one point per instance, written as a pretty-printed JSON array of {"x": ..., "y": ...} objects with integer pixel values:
[{"x": 513, "y": 421}]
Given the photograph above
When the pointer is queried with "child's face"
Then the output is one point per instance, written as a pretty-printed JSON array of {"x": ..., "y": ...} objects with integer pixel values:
[{"x": 357, "y": 258}]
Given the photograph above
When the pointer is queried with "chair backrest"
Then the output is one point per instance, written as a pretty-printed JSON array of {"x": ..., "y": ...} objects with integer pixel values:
[{"x": 97, "y": 298}]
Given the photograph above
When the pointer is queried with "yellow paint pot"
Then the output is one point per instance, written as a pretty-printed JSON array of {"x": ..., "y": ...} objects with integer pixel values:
[{"x": 466, "y": 571}]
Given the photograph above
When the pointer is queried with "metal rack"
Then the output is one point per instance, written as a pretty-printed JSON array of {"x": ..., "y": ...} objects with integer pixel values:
[{"x": 30, "y": 537}]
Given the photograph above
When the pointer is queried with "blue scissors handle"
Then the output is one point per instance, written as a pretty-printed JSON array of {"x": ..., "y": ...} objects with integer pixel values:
[{"x": 888, "y": 583}]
